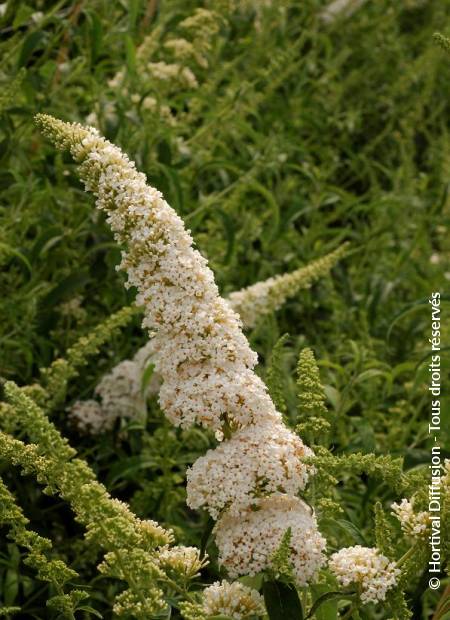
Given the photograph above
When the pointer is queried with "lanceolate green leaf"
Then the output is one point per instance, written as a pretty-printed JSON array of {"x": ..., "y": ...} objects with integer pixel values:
[{"x": 282, "y": 601}]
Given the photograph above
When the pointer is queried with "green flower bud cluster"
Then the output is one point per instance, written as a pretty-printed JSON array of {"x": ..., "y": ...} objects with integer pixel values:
[
  {"x": 56, "y": 377},
  {"x": 50, "y": 570},
  {"x": 132, "y": 546}
]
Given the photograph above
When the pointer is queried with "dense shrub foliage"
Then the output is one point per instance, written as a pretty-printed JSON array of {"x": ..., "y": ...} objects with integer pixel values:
[{"x": 160, "y": 471}]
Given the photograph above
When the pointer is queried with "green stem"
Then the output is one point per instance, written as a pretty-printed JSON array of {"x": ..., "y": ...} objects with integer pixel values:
[
  {"x": 179, "y": 589},
  {"x": 407, "y": 555},
  {"x": 349, "y": 612},
  {"x": 327, "y": 597}
]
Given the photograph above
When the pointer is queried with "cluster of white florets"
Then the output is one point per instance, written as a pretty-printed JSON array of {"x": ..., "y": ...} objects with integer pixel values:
[
  {"x": 172, "y": 72},
  {"x": 184, "y": 562},
  {"x": 88, "y": 416},
  {"x": 256, "y": 462},
  {"x": 366, "y": 569},
  {"x": 232, "y": 599},
  {"x": 225, "y": 600},
  {"x": 413, "y": 524},
  {"x": 206, "y": 365},
  {"x": 121, "y": 394},
  {"x": 248, "y": 542},
  {"x": 200, "y": 351}
]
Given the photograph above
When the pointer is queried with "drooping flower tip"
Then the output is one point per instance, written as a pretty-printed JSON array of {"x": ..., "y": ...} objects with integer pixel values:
[
  {"x": 62, "y": 134},
  {"x": 367, "y": 569}
]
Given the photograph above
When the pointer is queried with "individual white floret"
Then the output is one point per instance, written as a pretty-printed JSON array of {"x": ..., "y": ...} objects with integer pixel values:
[
  {"x": 413, "y": 524},
  {"x": 366, "y": 569},
  {"x": 247, "y": 543},
  {"x": 256, "y": 462}
]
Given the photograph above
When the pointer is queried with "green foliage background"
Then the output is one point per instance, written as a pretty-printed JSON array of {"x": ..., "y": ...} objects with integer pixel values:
[{"x": 300, "y": 136}]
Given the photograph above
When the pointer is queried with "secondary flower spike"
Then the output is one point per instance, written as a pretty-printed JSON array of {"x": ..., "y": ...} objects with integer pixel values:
[
  {"x": 201, "y": 354},
  {"x": 265, "y": 297}
]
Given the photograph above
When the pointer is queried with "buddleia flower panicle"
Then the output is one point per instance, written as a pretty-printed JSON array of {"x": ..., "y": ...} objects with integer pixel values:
[
  {"x": 413, "y": 524},
  {"x": 367, "y": 570},
  {"x": 200, "y": 351},
  {"x": 312, "y": 411},
  {"x": 72, "y": 478},
  {"x": 248, "y": 543},
  {"x": 233, "y": 600},
  {"x": 311, "y": 395},
  {"x": 131, "y": 545},
  {"x": 206, "y": 365}
]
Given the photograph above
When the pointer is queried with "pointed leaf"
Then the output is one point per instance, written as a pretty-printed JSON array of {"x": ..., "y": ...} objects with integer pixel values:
[{"x": 282, "y": 601}]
